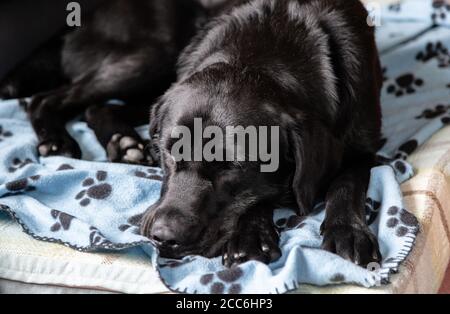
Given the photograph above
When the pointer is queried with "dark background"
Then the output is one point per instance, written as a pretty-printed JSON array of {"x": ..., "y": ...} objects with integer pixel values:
[{"x": 26, "y": 24}]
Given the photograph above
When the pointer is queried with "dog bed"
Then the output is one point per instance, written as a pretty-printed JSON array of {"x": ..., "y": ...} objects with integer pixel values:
[
  {"x": 33, "y": 266},
  {"x": 49, "y": 267}
]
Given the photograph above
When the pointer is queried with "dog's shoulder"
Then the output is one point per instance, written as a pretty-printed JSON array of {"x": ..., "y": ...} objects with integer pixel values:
[{"x": 303, "y": 46}]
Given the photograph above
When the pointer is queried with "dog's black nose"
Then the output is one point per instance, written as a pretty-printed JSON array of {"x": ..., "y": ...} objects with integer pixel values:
[
  {"x": 164, "y": 236},
  {"x": 172, "y": 230}
]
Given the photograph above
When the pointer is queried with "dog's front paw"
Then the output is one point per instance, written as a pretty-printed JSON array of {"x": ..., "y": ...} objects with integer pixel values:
[
  {"x": 61, "y": 145},
  {"x": 252, "y": 242},
  {"x": 128, "y": 149},
  {"x": 50, "y": 102},
  {"x": 356, "y": 244}
]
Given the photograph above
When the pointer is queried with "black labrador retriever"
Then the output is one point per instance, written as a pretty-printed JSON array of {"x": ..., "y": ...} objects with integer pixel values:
[{"x": 310, "y": 67}]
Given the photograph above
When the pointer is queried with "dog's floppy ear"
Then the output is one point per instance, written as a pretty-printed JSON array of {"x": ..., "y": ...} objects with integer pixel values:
[
  {"x": 156, "y": 117},
  {"x": 304, "y": 182},
  {"x": 317, "y": 154}
]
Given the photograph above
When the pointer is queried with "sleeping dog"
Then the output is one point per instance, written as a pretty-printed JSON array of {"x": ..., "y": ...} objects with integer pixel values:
[{"x": 309, "y": 67}]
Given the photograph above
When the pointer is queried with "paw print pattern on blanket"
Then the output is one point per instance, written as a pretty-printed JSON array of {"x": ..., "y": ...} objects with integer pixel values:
[
  {"x": 441, "y": 10},
  {"x": 435, "y": 112},
  {"x": 63, "y": 221},
  {"x": 150, "y": 174},
  {"x": 395, "y": 7},
  {"x": 65, "y": 167},
  {"x": 337, "y": 278},
  {"x": 18, "y": 163},
  {"x": 224, "y": 281},
  {"x": 4, "y": 134},
  {"x": 133, "y": 222},
  {"x": 435, "y": 51},
  {"x": 402, "y": 221},
  {"x": 21, "y": 185},
  {"x": 407, "y": 149},
  {"x": 405, "y": 84},
  {"x": 95, "y": 189},
  {"x": 403, "y": 170}
]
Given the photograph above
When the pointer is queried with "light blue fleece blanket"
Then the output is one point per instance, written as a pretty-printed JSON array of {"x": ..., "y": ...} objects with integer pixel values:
[{"x": 91, "y": 205}]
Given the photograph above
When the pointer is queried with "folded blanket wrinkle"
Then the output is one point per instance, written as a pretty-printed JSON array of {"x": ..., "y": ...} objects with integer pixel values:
[{"x": 90, "y": 205}]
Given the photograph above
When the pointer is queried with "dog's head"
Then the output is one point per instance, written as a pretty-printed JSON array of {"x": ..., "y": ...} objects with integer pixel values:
[{"x": 202, "y": 198}]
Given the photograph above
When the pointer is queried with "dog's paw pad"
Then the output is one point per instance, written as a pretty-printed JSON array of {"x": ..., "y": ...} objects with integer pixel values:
[
  {"x": 127, "y": 149},
  {"x": 63, "y": 147},
  {"x": 134, "y": 155},
  {"x": 47, "y": 149},
  {"x": 127, "y": 142}
]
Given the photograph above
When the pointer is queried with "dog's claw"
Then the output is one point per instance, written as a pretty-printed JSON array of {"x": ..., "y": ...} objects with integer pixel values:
[
  {"x": 256, "y": 240},
  {"x": 54, "y": 141}
]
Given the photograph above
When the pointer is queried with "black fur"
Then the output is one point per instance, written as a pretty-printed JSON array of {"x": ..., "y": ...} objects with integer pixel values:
[
  {"x": 127, "y": 50},
  {"x": 308, "y": 66},
  {"x": 41, "y": 72},
  {"x": 315, "y": 73}
]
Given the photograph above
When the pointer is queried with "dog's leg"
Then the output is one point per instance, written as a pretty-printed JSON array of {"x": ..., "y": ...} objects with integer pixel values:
[
  {"x": 49, "y": 113},
  {"x": 116, "y": 79},
  {"x": 345, "y": 229},
  {"x": 114, "y": 128},
  {"x": 254, "y": 239}
]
